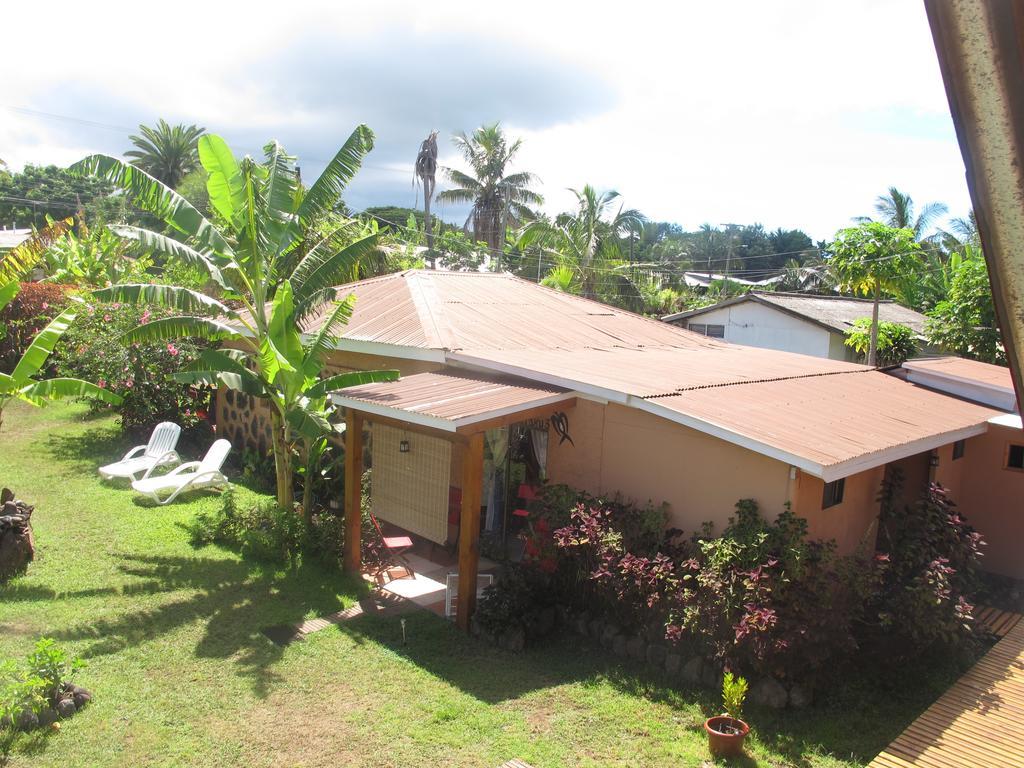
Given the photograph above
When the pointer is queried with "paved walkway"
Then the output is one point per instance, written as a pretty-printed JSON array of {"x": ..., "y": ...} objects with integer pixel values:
[{"x": 979, "y": 722}]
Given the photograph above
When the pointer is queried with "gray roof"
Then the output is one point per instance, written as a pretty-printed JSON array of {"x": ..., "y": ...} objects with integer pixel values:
[
  {"x": 11, "y": 238},
  {"x": 837, "y": 313}
]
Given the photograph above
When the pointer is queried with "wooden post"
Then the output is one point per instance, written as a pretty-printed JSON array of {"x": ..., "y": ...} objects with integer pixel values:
[
  {"x": 469, "y": 527},
  {"x": 353, "y": 490}
]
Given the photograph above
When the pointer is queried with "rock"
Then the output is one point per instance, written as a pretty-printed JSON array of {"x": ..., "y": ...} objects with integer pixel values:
[
  {"x": 692, "y": 670},
  {"x": 66, "y": 707},
  {"x": 580, "y": 622},
  {"x": 656, "y": 655},
  {"x": 619, "y": 645},
  {"x": 28, "y": 720},
  {"x": 673, "y": 663},
  {"x": 608, "y": 636},
  {"x": 6, "y": 495},
  {"x": 595, "y": 628},
  {"x": 799, "y": 697},
  {"x": 547, "y": 619},
  {"x": 768, "y": 692},
  {"x": 710, "y": 676},
  {"x": 46, "y": 716},
  {"x": 636, "y": 648}
]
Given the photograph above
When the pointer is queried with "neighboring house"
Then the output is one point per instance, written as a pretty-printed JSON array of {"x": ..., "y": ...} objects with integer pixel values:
[
  {"x": 705, "y": 280},
  {"x": 506, "y": 383},
  {"x": 12, "y": 238},
  {"x": 792, "y": 322}
]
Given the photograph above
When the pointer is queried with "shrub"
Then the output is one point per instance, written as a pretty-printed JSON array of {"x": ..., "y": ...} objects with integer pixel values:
[
  {"x": 26, "y": 690},
  {"x": 931, "y": 557},
  {"x": 140, "y": 372},
  {"x": 264, "y": 532},
  {"x": 734, "y": 693},
  {"x": 896, "y": 343},
  {"x": 28, "y": 313}
]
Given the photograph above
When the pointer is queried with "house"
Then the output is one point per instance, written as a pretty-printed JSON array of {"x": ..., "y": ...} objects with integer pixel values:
[
  {"x": 506, "y": 384},
  {"x": 693, "y": 279},
  {"x": 792, "y": 322},
  {"x": 12, "y": 238}
]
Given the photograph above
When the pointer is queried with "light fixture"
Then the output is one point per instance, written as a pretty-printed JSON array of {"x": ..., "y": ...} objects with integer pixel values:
[
  {"x": 933, "y": 460},
  {"x": 403, "y": 447}
]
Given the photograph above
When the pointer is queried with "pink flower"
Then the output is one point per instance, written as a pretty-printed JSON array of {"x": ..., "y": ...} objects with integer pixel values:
[
  {"x": 172, "y": 349},
  {"x": 145, "y": 317},
  {"x": 102, "y": 384},
  {"x": 107, "y": 318},
  {"x": 129, "y": 384},
  {"x": 46, "y": 305}
]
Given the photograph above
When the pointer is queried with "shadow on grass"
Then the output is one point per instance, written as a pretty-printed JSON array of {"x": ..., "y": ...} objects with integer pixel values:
[
  {"x": 85, "y": 451},
  {"x": 853, "y": 719},
  {"x": 234, "y": 598}
]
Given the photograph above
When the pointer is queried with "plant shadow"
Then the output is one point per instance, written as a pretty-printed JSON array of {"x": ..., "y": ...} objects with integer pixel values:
[{"x": 235, "y": 599}]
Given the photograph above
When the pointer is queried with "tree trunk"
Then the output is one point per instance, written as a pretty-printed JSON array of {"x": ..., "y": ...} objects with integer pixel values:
[
  {"x": 282, "y": 464},
  {"x": 427, "y": 194},
  {"x": 873, "y": 347}
]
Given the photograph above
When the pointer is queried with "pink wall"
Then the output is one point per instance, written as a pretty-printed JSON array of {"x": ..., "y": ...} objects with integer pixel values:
[{"x": 851, "y": 523}]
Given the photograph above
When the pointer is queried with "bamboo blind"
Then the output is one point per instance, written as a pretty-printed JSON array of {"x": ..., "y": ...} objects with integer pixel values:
[{"x": 410, "y": 490}]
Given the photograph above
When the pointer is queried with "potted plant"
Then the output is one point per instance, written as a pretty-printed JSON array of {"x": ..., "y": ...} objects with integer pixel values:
[{"x": 727, "y": 732}]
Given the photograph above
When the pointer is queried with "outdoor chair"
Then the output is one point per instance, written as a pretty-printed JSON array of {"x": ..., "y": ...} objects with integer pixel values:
[
  {"x": 193, "y": 475},
  {"x": 158, "y": 452},
  {"x": 396, "y": 546}
]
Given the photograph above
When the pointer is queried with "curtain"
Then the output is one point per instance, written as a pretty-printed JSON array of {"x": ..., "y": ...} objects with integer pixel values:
[
  {"x": 539, "y": 440},
  {"x": 497, "y": 447}
]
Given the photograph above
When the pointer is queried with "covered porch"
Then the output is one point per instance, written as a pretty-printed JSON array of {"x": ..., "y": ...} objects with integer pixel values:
[{"x": 437, "y": 442}]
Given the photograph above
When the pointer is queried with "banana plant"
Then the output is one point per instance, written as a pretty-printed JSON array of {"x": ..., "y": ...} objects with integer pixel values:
[
  {"x": 21, "y": 384},
  {"x": 275, "y": 248}
]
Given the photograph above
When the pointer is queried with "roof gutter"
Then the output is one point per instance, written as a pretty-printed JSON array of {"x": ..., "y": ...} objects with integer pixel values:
[{"x": 979, "y": 45}]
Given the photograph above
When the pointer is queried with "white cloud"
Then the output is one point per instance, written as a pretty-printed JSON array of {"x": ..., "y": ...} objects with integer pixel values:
[{"x": 791, "y": 114}]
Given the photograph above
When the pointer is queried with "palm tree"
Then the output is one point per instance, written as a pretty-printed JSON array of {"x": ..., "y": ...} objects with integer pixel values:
[
  {"x": 896, "y": 210},
  {"x": 587, "y": 241},
  {"x": 871, "y": 258},
  {"x": 168, "y": 153},
  {"x": 499, "y": 200},
  {"x": 426, "y": 172},
  {"x": 22, "y": 384},
  {"x": 275, "y": 251}
]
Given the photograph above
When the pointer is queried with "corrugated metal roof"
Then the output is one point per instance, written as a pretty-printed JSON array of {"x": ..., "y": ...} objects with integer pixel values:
[
  {"x": 834, "y": 420},
  {"x": 837, "y": 313},
  {"x": 968, "y": 370},
  {"x": 653, "y": 371},
  {"x": 448, "y": 400},
  {"x": 458, "y": 310},
  {"x": 12, "y": 238}
]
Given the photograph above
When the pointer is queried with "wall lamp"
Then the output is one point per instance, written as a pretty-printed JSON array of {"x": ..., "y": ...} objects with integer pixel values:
[{"x": 403, "y": 446}]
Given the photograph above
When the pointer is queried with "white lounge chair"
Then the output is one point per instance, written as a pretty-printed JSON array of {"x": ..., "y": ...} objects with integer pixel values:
[
  {"x": 158, "y": 452},
  {"x": 192, "y": 475}
]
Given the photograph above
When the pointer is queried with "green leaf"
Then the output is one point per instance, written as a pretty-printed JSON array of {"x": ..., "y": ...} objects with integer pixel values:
[
  {"x": 181, "y": 328},
  {"x": 42, "y": 345},
  {"x": 155, "y": 197},
  {"x": 171, "y": 248},
  {"x": 326, "y": 190},
  {"x": 307, "y": 422},
  {"x": 20, "y": 259},
  {"x": 224, "y": 182},
  {"x": 316, "y": 348},
  {"x": 8, "y": 292},
  {"x": 351, "y": 379},
  {"x": 249, "y": 384},
  {"x": 317, "y": 270},
  {"x": 55, "y": 389},
  {"x": 181, "y": 299}
]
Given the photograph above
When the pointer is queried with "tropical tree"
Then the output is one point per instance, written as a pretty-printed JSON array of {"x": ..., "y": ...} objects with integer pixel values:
[
  {"x": 277, "y": 252},
  {"x": 426, "y": 173},
  {"x": 965, "y": 321},
  {"x": 896, "y": 209},
  {"x": 499, "y": 199},
  {"x": 168, "y": 153},
  {"x": 586, "y": 241},
  {"x": 896, "y": 343},
  {"x": 21, "y": 383},
  {"x": 93, "y": 256},
  {"x": 871, "y": 258}
]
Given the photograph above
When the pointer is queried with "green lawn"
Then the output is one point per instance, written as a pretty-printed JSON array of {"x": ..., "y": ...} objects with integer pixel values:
[{"x": 182, "y": 676}]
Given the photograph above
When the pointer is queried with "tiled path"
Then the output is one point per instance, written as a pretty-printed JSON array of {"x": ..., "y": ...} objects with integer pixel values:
[{"x": 979, "y": 722}]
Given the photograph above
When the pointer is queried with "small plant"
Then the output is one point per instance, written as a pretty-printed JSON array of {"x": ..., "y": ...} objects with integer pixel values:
[
  {"x": 734, "y": 692},
  {"x": 52, "y": 665}
]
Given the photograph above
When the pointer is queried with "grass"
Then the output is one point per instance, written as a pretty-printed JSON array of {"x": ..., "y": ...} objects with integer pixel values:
[{"x": 182, "y": 676}]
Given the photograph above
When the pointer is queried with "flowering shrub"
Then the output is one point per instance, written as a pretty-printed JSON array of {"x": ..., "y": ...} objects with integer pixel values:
[
  {"x": 931, "y": 556},
  {"x": 28, "y": 313},
  {"x": 140, "y": 372}
]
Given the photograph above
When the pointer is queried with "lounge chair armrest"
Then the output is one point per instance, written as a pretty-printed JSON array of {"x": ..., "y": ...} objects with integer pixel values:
[
  {"x": 168, "y": 457},
  {"x": 184, "y": 468},
  {"x": 133, "y": 452}
]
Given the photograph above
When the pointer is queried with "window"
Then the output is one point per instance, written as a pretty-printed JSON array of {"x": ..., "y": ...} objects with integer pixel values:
[
  {"x": 958, "y": 449},
  {"x": 833, "y": 493},
  {"x": 714, "y": 331},
  {"x": 1015, "y": 457}
]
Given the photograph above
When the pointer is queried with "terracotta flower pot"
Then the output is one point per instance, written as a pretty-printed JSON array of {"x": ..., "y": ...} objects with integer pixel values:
[{"x": 726, "y": 735}]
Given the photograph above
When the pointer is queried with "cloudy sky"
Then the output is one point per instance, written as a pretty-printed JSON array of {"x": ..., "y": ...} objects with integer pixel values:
[{"x": 792, "y": 114}]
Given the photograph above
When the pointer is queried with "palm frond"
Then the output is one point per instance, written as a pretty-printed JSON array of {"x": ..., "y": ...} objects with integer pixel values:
[
  {"x": 181, "y": 299},
  {"x": 327, "y": 189}
]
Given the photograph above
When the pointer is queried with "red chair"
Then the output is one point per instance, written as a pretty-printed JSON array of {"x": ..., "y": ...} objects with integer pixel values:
[
  {"x": 396, "y": 546},
  {"x": 528, "y": 492}
]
